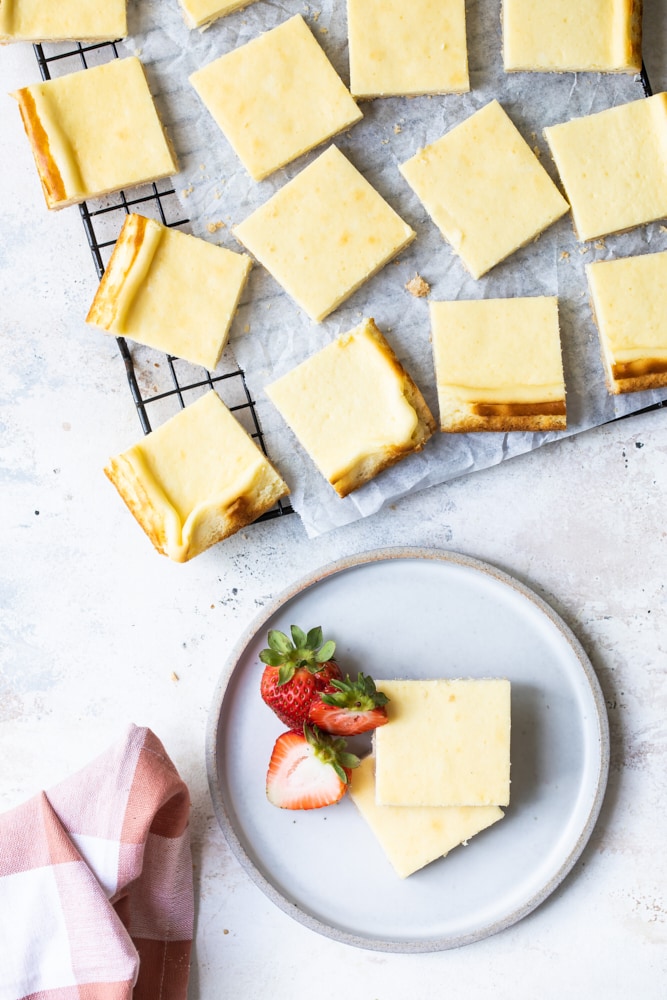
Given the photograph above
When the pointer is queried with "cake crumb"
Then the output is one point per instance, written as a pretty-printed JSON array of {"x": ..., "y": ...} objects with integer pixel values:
[
  {"x": 246, "y": 328},
  {"x": 564, "y": 255},
  {"x": 214, "y": 226},
  {"x": 663, "y": 229},
  {"x": 600, "y": 245},
  {"x": 418, "y": 287},
  {"x": 397, "y": 129},
  {"x": 186, "y": 192},
  {"x": 174, "y": 676},
  {"x": 324, "y": 31}
]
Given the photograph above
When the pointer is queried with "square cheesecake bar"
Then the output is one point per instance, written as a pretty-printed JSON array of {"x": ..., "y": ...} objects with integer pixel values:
[
  {"x": 613, "y": 166},
  {"x": 324, "y": 233},
  {"x": 94, "y": 131},
  {"x": 196, "y": 479},
  {"x": 407, "y": 49},
  {"x": 354, "y": 408},
  {"x": 447, "y": 743},
  {"x": 66, "y": 20},
  {"x": 485, "y": 189},
  {"x": 498, "y": 364},
  {"x": 629, "y": 299},
  {"x": 414, "y": 836},
  {"x": 575, "y": 36},
  {"x": 170, "y": 291},
  {"x": 276, "y": 97},
  {"x": 202, "y": 13}
]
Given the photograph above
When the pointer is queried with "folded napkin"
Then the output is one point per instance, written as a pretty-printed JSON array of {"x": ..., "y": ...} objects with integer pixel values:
[{"x": 96, "y": 893}]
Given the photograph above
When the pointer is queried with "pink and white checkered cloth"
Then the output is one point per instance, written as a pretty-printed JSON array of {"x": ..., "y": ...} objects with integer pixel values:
[{"x": 96, "y": 894}]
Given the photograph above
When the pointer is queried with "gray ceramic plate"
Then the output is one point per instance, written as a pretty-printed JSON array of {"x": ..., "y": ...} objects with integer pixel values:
[{"x": 418, "y": 613}]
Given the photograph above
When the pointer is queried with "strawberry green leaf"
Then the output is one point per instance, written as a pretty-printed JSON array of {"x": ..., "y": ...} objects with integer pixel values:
[
  {"x": 326, "y": 652},
  {"x": 271, "y": 657},
  {"x": 314, "y": 638},
  {"x": 279, "y": 641},
  {"x": 285, "y": 673},
  {"x": 299, "y": 637}
]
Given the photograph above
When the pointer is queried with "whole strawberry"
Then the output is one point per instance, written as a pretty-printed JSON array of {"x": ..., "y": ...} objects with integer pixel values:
[{"x": 296, "y": 670}]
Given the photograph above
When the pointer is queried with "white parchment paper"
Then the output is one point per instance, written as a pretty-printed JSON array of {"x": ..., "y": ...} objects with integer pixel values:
[{"x": 271, "y": 334}]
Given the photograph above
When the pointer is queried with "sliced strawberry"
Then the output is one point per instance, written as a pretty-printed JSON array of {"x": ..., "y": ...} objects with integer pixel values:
[
  {"x": 296, "y": 671},
  {"x": 308, "y": 770},
  {"x": 350, "y": 707}
]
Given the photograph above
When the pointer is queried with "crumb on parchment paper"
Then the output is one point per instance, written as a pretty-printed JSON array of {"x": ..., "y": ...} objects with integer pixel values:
[
  {"x": 418, "y": 287},
  {"x": 214, "y": 226}
]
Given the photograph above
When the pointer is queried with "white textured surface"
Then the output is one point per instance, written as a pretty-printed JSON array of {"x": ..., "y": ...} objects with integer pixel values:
[{"x": 93, "y": 624}]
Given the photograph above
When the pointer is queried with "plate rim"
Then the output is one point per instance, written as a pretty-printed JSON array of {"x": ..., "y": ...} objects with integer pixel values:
[{"x": 306, "y": 582}]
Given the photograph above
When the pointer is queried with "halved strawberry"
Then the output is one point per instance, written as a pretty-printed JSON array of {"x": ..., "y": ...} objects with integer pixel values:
[
  {"x": 350, "y": 707},
  {"x": 308, "y": 770},
  {"x": 296, "y": 671}
]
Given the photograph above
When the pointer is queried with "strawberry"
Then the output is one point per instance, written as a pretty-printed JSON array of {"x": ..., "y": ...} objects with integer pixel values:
[
  {"x": 350, "y": 707},
  {"x": 296, "y": 671},
  {"x": 308, "y": 770}
]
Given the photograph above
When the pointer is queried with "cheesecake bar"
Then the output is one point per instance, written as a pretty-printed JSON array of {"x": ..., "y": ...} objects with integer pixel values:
[
  {"x": 276, "y": 97},
  {"x": 485, "y": 189},
  {"x": 324, "y": 234},
  {"x": 354, "y": 408},
  {"x": 613, "y": 166},
  {"x": 407, "y": 49},
  {"x": 202, "y": 13},
  {"x": 447, "y": 743},
  {"x": 94, "y": 131},
  {"x": 498, "y": 364},
  {"x": 412, "y": 837},
  {"x": 572, "y": 36},
  {"x": 66, "y": 20},
  {"x": 629, "y": 299},
  {"x": 196, "y": 479},
  {"x": 167, "y": 290}
]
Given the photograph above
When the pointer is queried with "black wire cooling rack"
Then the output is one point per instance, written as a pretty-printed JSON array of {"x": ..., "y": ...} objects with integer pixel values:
[{"x": 159, "y": 384}]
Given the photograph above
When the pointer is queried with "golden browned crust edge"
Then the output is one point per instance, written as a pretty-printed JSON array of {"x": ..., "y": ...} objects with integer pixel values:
[
  {"x": 534, "y": 422},
  {"x": 53, "y": 185},
  {"x": 636, "y": 13},
  {"x": 636, "y": 383},
  {"x": 221, "y": 522},
  {"x": 658, "y": 380},
  {"x": 137, "y": 501},
  {"x": 225, "y": 521},
  {"x": 426, "y": 425},
  {"x": 131, "y": 236}
]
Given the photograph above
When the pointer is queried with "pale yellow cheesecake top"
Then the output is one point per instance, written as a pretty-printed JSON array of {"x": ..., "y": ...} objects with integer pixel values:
[
  {"x": 353, "y": 407},
  {"x": 46, "y": 20},
  {"x": 276, "y": 97},
  {"x": 324, "y": 233},
  {"x": 407, "y": 49},
  {"x": 572, "y": 35},
  {"x": 171, "y": 291},
  {"x": 95, "y": 131},
  {"x": 413, "y": 836},
  {"x": 613, "y": 166},
  {"x": 447, "y": 743},
  {"x": 200, "y": 13},
  {"x": 484, "y": 188},
  {"x": 195, "y": 479},
  {"x": 498, "y": 350},
  {"x": 629, "y": 297}
]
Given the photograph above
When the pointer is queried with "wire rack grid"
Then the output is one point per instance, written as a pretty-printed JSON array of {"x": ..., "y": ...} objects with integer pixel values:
[{"x": 159, "y": 384}]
